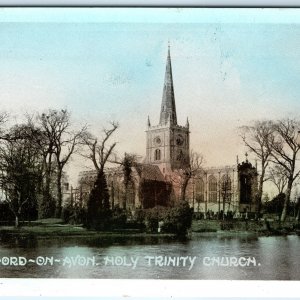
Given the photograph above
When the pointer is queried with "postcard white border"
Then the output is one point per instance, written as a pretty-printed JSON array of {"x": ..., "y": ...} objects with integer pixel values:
[{"x": 84, "y": 288}]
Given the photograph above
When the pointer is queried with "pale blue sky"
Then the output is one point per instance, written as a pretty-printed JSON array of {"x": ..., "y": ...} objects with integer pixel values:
[{"x": 229, "y": 67}]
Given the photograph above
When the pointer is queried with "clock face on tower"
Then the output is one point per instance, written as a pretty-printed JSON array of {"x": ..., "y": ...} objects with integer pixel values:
[
  {"x": 179, "y": 140},
  {"x": 157, "y": 140}
]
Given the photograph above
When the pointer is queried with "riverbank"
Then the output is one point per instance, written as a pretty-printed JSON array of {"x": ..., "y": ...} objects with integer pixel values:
[
  {"x": 55, "y": 228},
  {"x": 261, "y": 227}
]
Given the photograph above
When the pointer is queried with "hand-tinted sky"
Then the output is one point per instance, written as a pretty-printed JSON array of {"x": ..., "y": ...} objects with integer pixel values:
[{"x": 229, "y": 67}]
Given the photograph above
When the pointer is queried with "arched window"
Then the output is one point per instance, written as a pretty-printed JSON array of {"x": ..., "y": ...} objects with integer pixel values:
[
  {"x": 212, "y": 189},
  {"x": 226, "y": 183},
  {"x": 157, "y": 154},
  {"x": 199, "y": 190},
  {"x": 180, "y": 156}
]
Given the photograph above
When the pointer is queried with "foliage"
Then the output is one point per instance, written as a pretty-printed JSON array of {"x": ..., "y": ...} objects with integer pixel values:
[
  {"x": 152, "y": 217},
  {"x": 98, "y": 211},
  {"x": 275, "y": 206},
  {"x": 139, "y": 216},
  {"x": 127, "y": 163},
  {"x": 6, "y": 215},
  {"x": 74, "y": 215},
  {"x": 20, "y": 164},
  {"x": 119, "y": 217},
  {"x": 177, "y": 219}
]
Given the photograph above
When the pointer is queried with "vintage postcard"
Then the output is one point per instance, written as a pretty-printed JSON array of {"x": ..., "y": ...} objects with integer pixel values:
[{"x": 150, "y": 143}]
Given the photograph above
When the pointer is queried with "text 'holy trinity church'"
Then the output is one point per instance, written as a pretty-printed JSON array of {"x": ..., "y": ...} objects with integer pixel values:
[{"x": 159, "y": 180}]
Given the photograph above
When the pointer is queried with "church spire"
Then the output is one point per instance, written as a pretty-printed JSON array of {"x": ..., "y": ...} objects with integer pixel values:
[{"x": 168, "y": 108}]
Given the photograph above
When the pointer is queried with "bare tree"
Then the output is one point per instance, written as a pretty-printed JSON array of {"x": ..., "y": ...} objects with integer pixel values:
[
  {"x": 20, "y": 162},
  {"x": 285, "y": 148},
  {"x": 99, "y": 151},
  {"x": 257, "y": 139},
  {"x": 98, "y": 202},
  {"x": 62, "y": 142},
  {"x": 195, "y": 166},
  {"x": 279, "y": 177},
  {"x": 44, "y": 139},
  {"x": 3, "y": 119}
]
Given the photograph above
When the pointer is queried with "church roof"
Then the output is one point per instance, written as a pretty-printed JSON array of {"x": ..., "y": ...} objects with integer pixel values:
[
  {"x": 149, "y": 172},
  {"x": 168, "y": 108}
]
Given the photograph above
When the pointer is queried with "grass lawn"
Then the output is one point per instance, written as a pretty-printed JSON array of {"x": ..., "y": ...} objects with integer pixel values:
[{"x": 55, "y": 227}]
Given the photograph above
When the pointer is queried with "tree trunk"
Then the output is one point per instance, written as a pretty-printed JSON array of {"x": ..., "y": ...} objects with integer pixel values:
[
  {"x": 45, "y": 209},
  {"x": 223, "y": 208},
  {"x": 17, "y": 221},
  {"x": 286, "y": 201},
  {"x": 59, "y": 195},
  {"x": 184, "y": 187},
  {"x": 125, "y": 199},
  {"x": 259, "y": 194}
]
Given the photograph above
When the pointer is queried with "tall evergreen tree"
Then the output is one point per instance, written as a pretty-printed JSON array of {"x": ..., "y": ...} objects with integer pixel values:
[
  {"x": 98, "y": 209},
  {"x": 98, "y": 212}
]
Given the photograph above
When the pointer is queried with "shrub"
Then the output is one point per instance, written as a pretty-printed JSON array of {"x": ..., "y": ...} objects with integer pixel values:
[
  {"x": 178, "y": 219},
  {"x": 119, "y": 218},
  {"x": 152, "y": 216},
  {"x": 6, "y": 215},
  {"x": 73, "y": 215},
  {"x": 139, "y": 216}
]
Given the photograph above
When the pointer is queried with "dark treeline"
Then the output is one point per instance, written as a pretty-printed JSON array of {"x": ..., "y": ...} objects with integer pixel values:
[
  {"x": 275, "y": 145},
  {"x": 33, "y": 156}
]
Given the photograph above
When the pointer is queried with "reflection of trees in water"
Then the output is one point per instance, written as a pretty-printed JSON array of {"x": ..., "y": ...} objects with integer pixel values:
[
  {"x": 225, "y": 238},
  {"x": 132, "y": 241},
  {"x": 32, "y": 242},
  {"x": 11, "y": 241},
  {"x": 44, "y": 242}
]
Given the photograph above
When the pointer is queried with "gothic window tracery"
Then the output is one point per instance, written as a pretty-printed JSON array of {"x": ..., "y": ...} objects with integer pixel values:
[
  {"x": 157, "y": 154},
  {"x": 199, "y": 189},
  {"x": 226, "y": 187},
  {"x": 212, "y": 189}
]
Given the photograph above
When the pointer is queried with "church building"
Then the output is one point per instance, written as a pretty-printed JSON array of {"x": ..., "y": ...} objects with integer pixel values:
[{"x": 157, "y": 180}]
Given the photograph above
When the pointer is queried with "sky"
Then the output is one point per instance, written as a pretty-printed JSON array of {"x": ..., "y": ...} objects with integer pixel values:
[{"x": 230, "y": 68}]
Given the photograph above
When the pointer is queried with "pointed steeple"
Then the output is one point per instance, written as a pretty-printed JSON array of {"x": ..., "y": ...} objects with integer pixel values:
[
  {"x": 187, "y": 125},
  {"x": 168, "y": 108}
]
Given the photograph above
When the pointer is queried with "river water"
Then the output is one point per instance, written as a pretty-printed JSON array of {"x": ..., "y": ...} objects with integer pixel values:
[{"x": 210, "y": 256}]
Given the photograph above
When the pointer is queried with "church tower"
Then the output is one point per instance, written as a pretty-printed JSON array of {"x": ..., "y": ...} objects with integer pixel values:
[{"x": 168, "y": 143}]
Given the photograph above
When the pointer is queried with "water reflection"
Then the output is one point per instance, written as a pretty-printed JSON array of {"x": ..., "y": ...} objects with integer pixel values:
[{"x": 276, "y": 257}]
